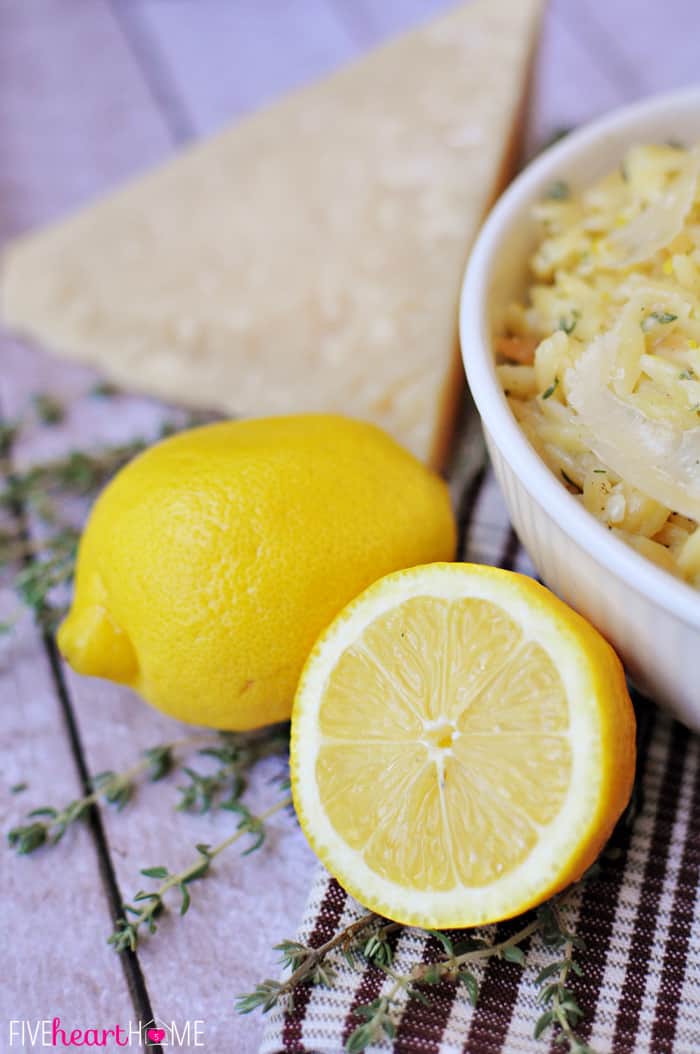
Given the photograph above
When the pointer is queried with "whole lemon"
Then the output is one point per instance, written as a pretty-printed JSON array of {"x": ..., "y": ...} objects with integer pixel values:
[{"x": 211, "y": 562}]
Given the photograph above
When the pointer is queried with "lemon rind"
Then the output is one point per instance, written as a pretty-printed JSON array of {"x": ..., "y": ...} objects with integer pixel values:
[{"x": 562, "y": 847}]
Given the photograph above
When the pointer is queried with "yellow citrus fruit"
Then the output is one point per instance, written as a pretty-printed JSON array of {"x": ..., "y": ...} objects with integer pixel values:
[
  {"x": 462, "y": 745},
  {"x": 212, "y": 561}
]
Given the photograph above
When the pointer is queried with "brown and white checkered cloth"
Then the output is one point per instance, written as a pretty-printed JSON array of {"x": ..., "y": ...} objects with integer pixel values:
[{"x": 641, "y": 920}]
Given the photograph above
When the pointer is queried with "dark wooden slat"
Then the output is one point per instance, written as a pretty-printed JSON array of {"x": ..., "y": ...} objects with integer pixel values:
[{"x": 133, "y": 973}]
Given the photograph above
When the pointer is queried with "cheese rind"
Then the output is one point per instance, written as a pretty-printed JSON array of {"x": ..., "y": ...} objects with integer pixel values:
[{"x": 308, "y": 258}]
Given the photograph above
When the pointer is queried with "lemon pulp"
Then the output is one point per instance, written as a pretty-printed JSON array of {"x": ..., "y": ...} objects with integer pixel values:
[
  {"x": 463, "y": 723},
  {"x": 462, "y": 745}
]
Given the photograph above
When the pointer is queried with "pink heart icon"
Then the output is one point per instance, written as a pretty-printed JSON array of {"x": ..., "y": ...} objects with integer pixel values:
[{"x": 155, "y": 1035}]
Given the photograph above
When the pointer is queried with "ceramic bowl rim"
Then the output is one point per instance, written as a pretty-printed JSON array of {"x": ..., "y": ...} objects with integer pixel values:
[{"x": 620, "y": 560}]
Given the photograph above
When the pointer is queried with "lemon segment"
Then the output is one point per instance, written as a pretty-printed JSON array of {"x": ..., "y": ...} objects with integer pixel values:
[{"x": 462, "y": 745}]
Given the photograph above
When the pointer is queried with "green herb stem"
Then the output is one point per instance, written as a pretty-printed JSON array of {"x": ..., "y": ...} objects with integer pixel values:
[
  {"x": 496, "y": 949},
  {"x": 305, "y": 964},
  {"x": 50, "y": 824},
  {"x": 317, "y": 955},
  {"x": 563, "y": 1012},
  {"x": 126, "y": 933}
]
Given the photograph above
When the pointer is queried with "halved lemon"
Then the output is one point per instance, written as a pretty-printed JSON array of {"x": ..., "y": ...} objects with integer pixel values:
[{"x": 462, "y": 745}]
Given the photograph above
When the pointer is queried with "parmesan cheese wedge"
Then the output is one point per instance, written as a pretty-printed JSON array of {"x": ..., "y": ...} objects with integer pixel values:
[{"x": 309, "y": 257}]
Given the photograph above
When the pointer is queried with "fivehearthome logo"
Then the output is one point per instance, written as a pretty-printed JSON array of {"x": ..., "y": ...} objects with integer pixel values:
[{"x": 52, "y": 1032}]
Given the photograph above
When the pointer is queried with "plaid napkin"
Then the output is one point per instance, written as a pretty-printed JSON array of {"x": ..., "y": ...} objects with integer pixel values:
[{"x": 641, "y": 920}]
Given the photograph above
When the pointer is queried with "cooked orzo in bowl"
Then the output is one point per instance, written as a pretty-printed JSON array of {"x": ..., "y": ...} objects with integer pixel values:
[
  {"x": 651, "y": 616},
  {"x": 601, "y": 359}
]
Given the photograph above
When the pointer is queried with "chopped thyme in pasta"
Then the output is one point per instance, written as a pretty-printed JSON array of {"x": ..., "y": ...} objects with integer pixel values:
[{"x": 601, "y": 362}]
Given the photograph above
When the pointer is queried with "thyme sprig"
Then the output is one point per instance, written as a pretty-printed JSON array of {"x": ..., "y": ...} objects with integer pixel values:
[
  {"x": 308, "y": 966},
  {"x": 236, "y": 755},
  {"x": 379, "y": 1021},
  {"x": 44, "y": 564},
  {"x": 53, "y": 566},
  {"x": 78, "y": 474},
  {"x": 376, "y": 948},
  {"x": 49, "y": 824},
  {"x": 240, "y": 753},
  {"x": 456, "y": 964},
  {"x": 563, "y": 1012},
  {"x": 127, "y": 931},
  {"x": 237, "y": 752}
]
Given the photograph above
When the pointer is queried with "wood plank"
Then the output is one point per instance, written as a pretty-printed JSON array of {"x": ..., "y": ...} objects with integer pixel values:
[
  {"x": 72, "y": 972},
  {"x": 53, "y": 909},
  {"x": 218, "y": 60},
  {"x": 596, "y": 56},
  {"x": 196, "y": 966},
  {"x": 369, "y": 23},
  {"x": 248, "y": 905},
  {"x": 644, "y": 49},
  {"x": 569, "y": 87},
  {"x": 75, "y": 113}
]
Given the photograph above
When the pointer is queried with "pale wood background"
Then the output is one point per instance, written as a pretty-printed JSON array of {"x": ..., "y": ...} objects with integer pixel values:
[{"x": 92, "y": 91}]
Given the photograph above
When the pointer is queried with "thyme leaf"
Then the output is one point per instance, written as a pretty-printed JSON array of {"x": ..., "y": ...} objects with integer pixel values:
[
  {"x": 568, "y": 325},
  {"x": 657, "y": 318},
  {"x": 558, "y": 191},
  {"x": 48, "y": 409},
  {"x": 549, "y": 392},
  {"x": 104, "y": 390}
]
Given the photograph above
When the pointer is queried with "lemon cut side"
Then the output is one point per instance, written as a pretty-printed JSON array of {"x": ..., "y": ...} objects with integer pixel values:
[{"x": 462, "y": 745}]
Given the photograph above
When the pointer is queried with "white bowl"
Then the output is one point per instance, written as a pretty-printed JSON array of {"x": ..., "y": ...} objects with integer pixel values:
[{"x": 650, "y": 617}]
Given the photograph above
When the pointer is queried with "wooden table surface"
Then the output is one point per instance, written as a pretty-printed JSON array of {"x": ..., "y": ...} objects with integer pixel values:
[{"x": 92, "y": 91}]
